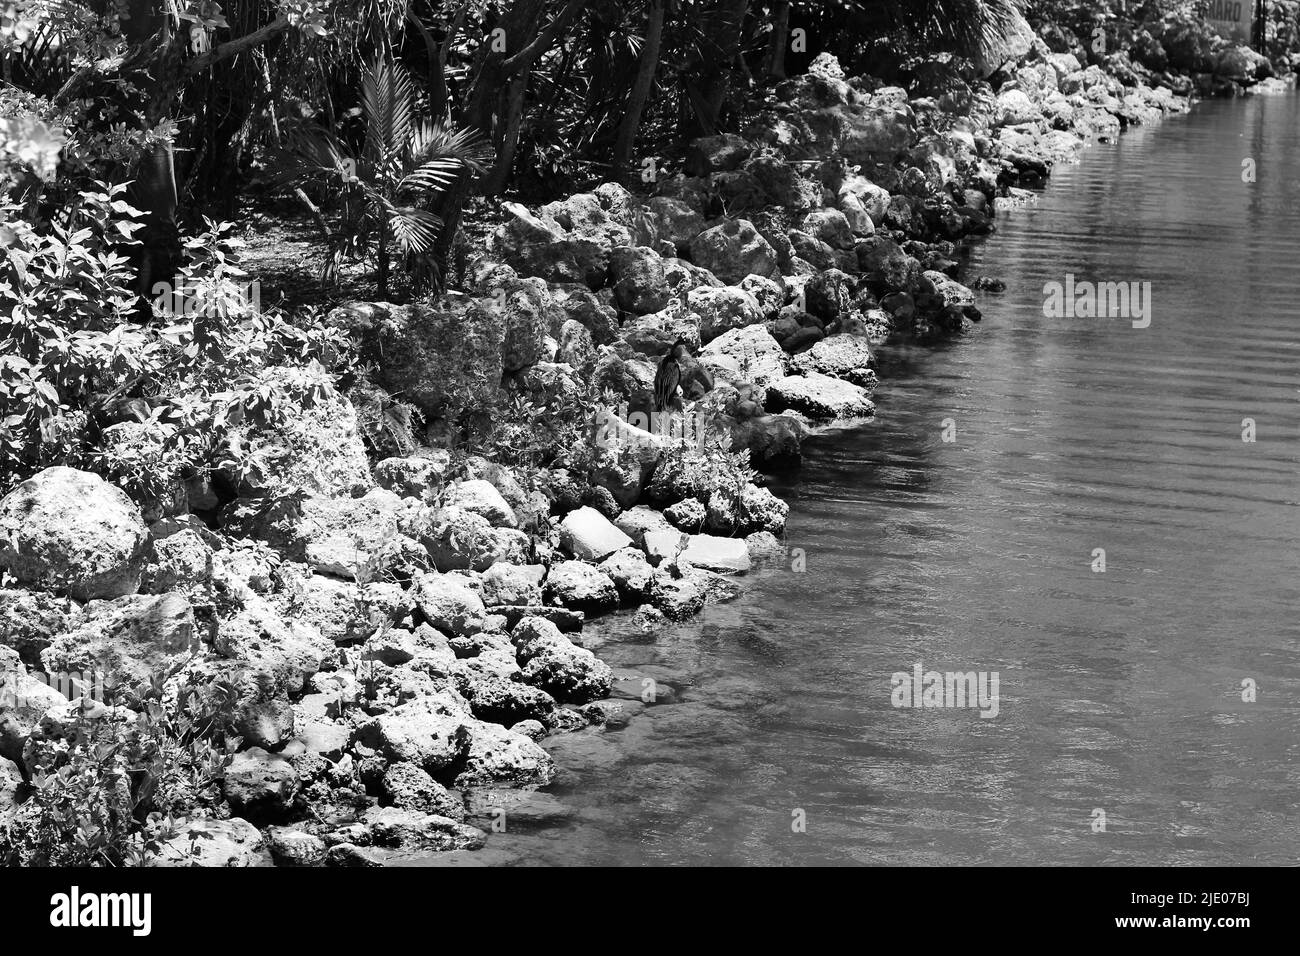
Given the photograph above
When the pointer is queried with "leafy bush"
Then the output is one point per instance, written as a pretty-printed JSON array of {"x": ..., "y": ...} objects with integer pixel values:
[
  {"x": 108, "y": 788},
  {"x": 148, "y": 394}
]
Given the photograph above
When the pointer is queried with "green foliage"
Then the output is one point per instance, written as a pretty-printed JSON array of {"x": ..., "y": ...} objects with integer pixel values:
[
  {"x": 92, "y": 378},
  {"x": 403, "y": 159},
  {"x": 111, "y": 786}
]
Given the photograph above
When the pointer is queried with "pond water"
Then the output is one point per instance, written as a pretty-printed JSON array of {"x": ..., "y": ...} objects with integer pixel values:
[{"x": 1119, "y": 691}]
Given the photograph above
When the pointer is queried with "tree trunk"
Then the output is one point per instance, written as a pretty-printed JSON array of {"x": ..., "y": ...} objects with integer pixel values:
[
  {"x": 775, "y": 66},
  {"x": 641, "y": 88},
  {"x": 730, "y": 21}
]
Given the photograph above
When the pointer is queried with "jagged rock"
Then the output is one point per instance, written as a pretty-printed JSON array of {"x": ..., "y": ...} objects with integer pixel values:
[
  {"x": 72, "y": 531},
  {"x": 732, "y": 250},
  {"x": 579, "y": 586},
  {"x": 563, "y": 618},
  {"x": 710, "y": 154},
  {"x": 847, "y": 357},
  {"x": 1015, "y": 107},
  {"x": 716, "y": 554},
  {"x": 885, "y": 265},
  {"x": 678, "y": 596},
  {"x": 29, "y": 621},
  {"x": 583, "y": 306},
  {"x": 440, "y": 355},
  {"x": 214, "y": 843},
  {"x": 481, "y": 498},
  {"x": 631, "y": 574},
  {"x": 554, "y": 663},
  {"x": 127, "y": 640},
  {"x": 687, "y": 514},
  {"x": 456, "y": 539},
  {"x": 415, "y": 476},
  {"x": 723, "y": 309},
  {"x": 429, "y": 732},
  {"x": 820, "y": 397},
  {"x": 345, "y": 612},
  {"x": 499, "y": 757},
  {"x": 408, "y": 787},
  {"x": 639, "y": 283},
  {"x": 829, "y": 226},
  {"x": 449, "y": 605},
  {"x": 259, "y": 781},
  {"x": 636, "y": 522},
  {"x": 513, "y": 584},
  {"x": 752, "y": 350},
  {"x": 675, "y": 221},
  {"x": 315, "y": 445},
  {"x": 539, "y": 246},
  {"x": 409, "y": 830},
  {"x": 181, "y": 561},
  {"x": 589, "y": 536},
  {"x": 295, "y": 848},
  {"x": 351, "y": 855},
  {"x": 498, "y": 699}
]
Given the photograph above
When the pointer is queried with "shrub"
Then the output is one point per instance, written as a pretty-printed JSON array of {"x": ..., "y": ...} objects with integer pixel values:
[{"x": 108, "y": 788}]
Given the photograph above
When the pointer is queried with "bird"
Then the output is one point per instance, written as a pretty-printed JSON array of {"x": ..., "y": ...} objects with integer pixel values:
[
  {"x": 669, "y": 375},
  {"x": 12, "y": 740}
]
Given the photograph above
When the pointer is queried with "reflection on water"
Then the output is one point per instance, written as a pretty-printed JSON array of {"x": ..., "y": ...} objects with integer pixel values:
[{"x": 1120, "y": 691}]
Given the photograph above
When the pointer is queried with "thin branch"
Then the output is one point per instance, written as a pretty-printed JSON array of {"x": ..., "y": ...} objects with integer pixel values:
[
  {"x": 525, "y": 57},
  {"x": 235, "y": 47}
]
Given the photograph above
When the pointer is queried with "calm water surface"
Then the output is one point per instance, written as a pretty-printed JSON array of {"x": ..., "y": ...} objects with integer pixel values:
[{"x": 1121, "y": 690}]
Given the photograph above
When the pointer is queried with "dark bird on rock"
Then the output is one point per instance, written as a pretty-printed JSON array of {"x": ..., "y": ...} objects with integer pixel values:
[
  {"x": 669, "y": 376},
  {"x": 11, "y": 744}
]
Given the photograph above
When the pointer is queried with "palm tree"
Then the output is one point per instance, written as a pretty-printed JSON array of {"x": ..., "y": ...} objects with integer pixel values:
[{"x": 404, "y": 158}]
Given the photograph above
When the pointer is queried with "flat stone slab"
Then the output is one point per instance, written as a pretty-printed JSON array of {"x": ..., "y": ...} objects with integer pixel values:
[{"x": 714, "y": 553}]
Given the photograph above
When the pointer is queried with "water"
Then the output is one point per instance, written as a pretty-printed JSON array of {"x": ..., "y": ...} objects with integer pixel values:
[{"x": 1120, "y": 691}]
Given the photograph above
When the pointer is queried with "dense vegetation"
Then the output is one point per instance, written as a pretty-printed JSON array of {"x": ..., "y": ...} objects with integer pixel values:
[{"x": 132, "y": 340}]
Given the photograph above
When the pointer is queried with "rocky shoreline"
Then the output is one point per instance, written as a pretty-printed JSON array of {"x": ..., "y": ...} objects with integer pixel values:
[{"x": 386, "y": 649}]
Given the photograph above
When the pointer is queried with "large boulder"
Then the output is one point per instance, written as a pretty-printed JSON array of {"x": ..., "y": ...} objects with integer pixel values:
[
  {"x": 315, "y": 445},
  {"x": 749, "y": 354},
  {"x": 723, "y": 309},
  {"x": 639, "y": 284},
  {"x": 481, "y": 497},
  {"x": 580, "y": 587},
  {"x": 72, "y": 531},
  {"x": 734, "y": 249},
  {"x": 442, "y": 355},
  {"x": 820, "y": 397},
  {"x": 554, "y": 663},
  {"x": 840, "y": 356},
  {"x": 127, "y": 640},
  {"x": 589, "y": 536},
  {"x": 260, "y": 782},
  {"x": 538, "y": 245},
  {"x": 496, "y": 756},
  {"x": 716, "y": 554},
  {"x": 429, "y": 732},
  {"x": 449, "y": 605},
  {"x": 711, "y": 154},
  {"x": 214, "y": 843}
]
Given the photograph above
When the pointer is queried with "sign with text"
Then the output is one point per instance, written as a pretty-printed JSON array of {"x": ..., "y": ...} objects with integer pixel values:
[{"x": 1232, "y": 18}]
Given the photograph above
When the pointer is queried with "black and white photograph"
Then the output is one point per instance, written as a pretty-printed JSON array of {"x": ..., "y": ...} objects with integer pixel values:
[{"x": 494, "y": 434}]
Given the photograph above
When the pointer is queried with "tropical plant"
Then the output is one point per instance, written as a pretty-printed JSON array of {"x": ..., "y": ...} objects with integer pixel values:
[
  {"x": 110, "y": 786},
  {"x": 403, "y": 159}
]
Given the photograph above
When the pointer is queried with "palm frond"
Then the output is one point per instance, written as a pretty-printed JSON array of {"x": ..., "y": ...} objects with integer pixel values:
[
  {"x": 414, "y": 230},
  {"x": 386, "y": 100}
]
